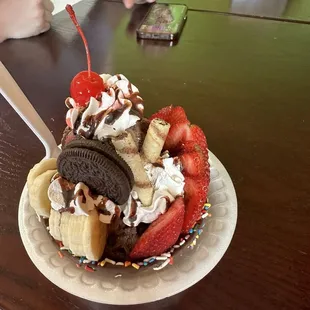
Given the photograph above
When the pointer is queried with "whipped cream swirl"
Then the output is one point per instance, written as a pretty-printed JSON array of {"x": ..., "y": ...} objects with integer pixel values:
[
  {"x": 78, "y": 200},
  {"x": 168, "y": 182},
  {"x": 118, "y": 109}
]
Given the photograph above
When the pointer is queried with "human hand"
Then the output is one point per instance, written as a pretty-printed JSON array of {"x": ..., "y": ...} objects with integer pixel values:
[
  {"x": 24, "y": 18},
  {"x": 130, "y": 3}
]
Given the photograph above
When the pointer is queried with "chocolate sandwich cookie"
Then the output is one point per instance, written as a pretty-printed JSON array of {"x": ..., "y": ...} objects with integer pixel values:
[
  {"x": 105, "y": 148},
  {"x": 88, "y": 162}
]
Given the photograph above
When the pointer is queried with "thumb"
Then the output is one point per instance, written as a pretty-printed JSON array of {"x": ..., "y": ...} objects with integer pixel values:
[{"x": 128, "y": 3}]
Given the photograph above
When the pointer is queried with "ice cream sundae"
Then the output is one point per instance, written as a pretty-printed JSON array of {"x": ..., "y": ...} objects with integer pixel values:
[{"x": 125, "y": 189}]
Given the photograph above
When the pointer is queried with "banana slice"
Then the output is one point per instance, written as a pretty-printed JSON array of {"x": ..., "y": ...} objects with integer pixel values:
[
  {"x": 54, "y": 224},
  {"x": 83, "y": 235},
  {"x": 41, "y": 167},
  {"x": 38, "y": 193},
  {"x": 76, "y": 229},
  {"x": 94, "y": 236},
  {"x": 64, "y": 228}
]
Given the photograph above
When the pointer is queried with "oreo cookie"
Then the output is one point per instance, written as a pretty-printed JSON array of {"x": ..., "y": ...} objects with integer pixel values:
[
  {"x": 98, "y": 166},
  {"x": 105, "y": 148}
]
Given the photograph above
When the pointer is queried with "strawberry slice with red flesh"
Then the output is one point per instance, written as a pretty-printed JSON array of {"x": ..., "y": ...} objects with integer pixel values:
[
  {"x": 175, "y": 136},
  {"x": 195, "y": 133},
  {"x": 196, "y": 169},
  {"x": 178, "y": 116},
  {"x": 163, "y": 113},
  {"x": 178, "y": 130},
  {"x": 179, "y": 123},
  {"x": 162, "y": 234},
  {"x": 195, "y": 196},
  {"x": 189, "y": 143},
  {"x": 194, "y": 160}
]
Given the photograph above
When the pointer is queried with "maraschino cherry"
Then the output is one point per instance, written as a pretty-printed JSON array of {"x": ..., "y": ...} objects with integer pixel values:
[{"x": 85, "y": 84}]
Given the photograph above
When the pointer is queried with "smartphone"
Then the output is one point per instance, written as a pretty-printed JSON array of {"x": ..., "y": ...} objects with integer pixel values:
[{"x": 163, "y": 22}]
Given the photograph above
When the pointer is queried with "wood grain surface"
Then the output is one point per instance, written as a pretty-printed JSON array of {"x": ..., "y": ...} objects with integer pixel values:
[
  {"x": 245, "y": 81},
  {"x": 292, "y": 10}
]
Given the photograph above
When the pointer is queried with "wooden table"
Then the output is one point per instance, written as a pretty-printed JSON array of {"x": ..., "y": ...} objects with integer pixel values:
[
  {"x": 245, "y": 81},
  {"x": 291, "y": 10}
]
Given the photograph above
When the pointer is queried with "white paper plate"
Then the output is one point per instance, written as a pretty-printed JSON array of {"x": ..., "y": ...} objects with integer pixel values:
[{"x": 146, "y": 285}]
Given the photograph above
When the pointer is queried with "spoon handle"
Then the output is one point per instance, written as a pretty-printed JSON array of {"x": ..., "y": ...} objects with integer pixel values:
[{"x": 17, "y": 99}]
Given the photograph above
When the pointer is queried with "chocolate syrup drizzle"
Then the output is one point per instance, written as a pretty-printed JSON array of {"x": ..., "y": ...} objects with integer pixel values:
[
  {"x": 133, "y": 211},
  {"x": 67, "y": 190}
]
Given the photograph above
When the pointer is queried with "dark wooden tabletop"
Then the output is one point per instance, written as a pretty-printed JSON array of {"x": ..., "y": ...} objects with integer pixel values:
[
  {"x": 291, "y": 10},
  {"x": 245, "y": 81}
]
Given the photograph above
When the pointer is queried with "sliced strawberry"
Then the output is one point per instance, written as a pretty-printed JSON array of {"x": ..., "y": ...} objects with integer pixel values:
[
  {"x": 162, "y": 233},
  {"x": 164, "y": 113},
  {"x": 192, "y": 214},
  {"x": 195, "y": 133},
  {"x": 179, "y": 123},
  {"x": 175, "y": 136},
  {"x": 178, "y": 116},
  {"x": 195, "y": 195},
  {"x": 196, "y": 188},
  {"x": 199, "y": 136},
  {"x": 194, "y": 162},
  {"x": 188, "y": 147}
]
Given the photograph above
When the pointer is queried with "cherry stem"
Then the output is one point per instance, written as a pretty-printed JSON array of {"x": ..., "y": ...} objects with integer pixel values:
[{"x": 78, "y": 27}]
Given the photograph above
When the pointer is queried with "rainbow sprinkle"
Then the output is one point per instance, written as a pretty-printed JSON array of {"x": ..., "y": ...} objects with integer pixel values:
[
  {"x": 88, "y": 268},
  {"x": 166, "y": 254},
  {"x": 207, "y": 206},
  {"x": 205, "y": 215},
  {"x": 163, "y": 265},
  {"x": 110, "y": 261},
  {"x": 127, "y": 264},
  {"x": 162, "y": 261},
  {"x": 136, "y": 266}
]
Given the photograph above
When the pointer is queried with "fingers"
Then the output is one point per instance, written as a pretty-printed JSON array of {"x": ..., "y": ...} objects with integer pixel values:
[
  {"x": 48, "y": 5},
  {"x": 48, "y": 16},
  {"x": 46, "y": 23},
  {"x": 129, "y": 3},
  {"x": 44, "y": 16},
  {"x": 45, "y": 27}
]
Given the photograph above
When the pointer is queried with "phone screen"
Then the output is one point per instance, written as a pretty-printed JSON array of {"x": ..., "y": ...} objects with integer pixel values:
[{"x": 164, "y": 19}]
